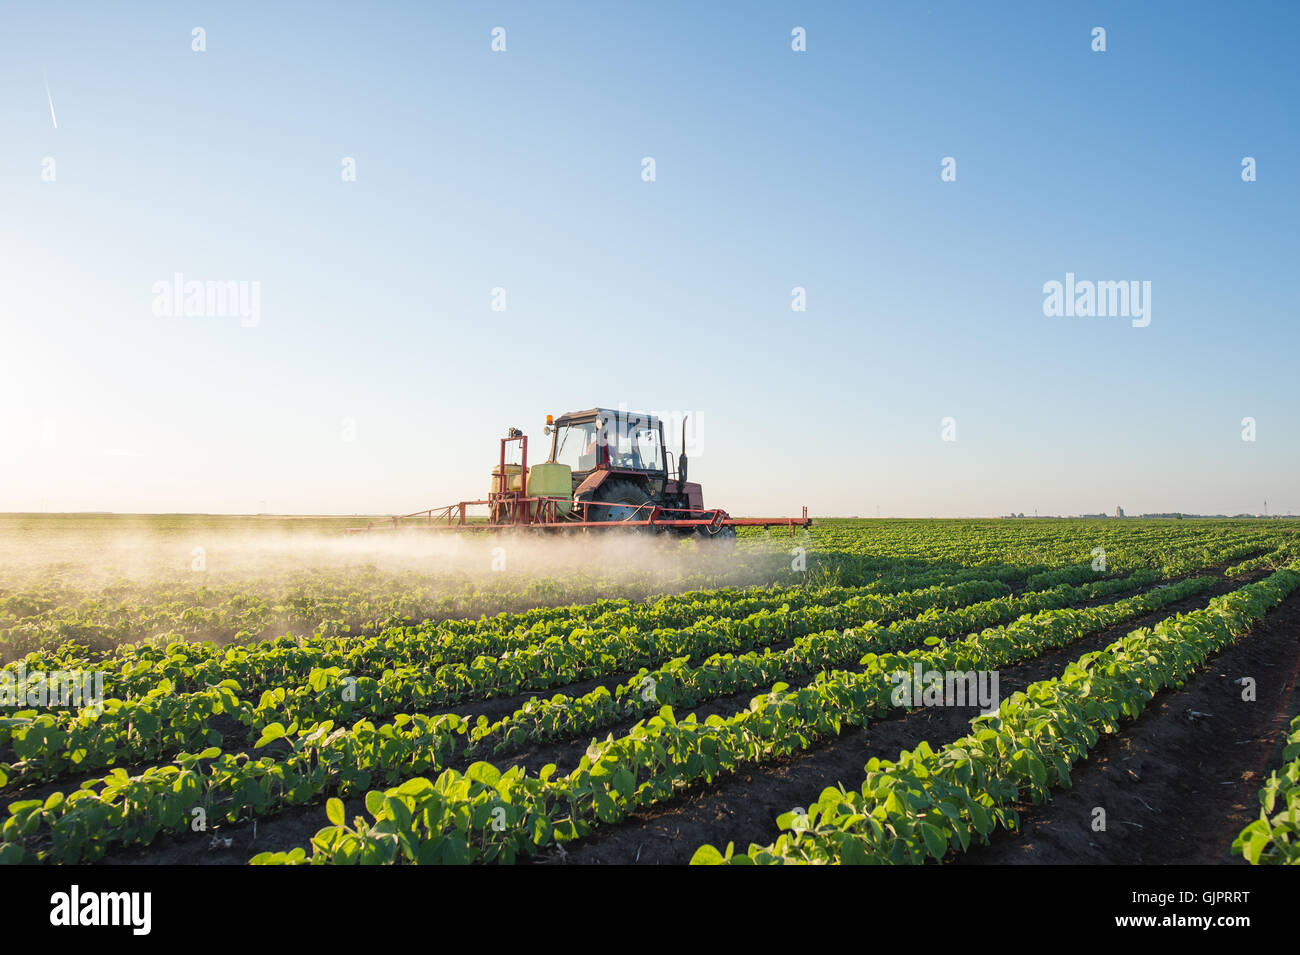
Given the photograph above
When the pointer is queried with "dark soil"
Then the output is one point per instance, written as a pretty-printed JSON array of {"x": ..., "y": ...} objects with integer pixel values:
[{"x": 1180, "y": 782}]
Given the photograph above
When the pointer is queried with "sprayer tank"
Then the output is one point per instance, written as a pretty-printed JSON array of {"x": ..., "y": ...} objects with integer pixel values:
[
  {"x": 552, "y": 479},
  {"x": 549, "y": 479}
]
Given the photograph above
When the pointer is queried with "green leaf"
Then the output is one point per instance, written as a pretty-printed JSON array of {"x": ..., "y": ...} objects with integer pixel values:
[
  {"x": 270, "y": 734},
  {"x": 484, "y": 773},
  {"x": 707, "y": 855},
  {"x": 625, "y": 783},
  {"x": 935, "y": 841},
  {"x": 335, "y": 812},
  {"x": 11, "y": 854},
  {"x": 1037, "y": 771},
  {"x": 415, "y": 786}
]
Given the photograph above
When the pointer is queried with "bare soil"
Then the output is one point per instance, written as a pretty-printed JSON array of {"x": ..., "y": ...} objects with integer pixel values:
[{"x": 1181, "y": 781}]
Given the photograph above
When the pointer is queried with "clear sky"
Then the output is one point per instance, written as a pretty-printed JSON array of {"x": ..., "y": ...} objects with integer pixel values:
[{"x": 774, "y": 169}]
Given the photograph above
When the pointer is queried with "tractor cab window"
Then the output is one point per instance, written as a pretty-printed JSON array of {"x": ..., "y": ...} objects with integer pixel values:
[
  {"x": 636, "y": 448},
  {"x": 631, "y": 446},
  {"x": 576, "y": 446},
  {"x": 649, "y": 450}
]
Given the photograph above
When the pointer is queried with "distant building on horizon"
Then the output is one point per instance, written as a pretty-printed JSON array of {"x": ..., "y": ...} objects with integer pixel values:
[{"x": 1119, "y": 511}]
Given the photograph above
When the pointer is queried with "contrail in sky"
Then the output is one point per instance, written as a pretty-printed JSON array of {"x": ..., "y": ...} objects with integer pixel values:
[{"x": 51, "y": 99}]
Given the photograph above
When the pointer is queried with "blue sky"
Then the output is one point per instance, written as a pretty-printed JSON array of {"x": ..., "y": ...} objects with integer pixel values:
[{"x": 774, "y": 169}]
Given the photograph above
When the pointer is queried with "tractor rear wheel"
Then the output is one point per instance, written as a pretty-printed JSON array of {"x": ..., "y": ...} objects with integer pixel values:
[
  {"x": 621, "y": 501},
  {"x": 723, "y": 536}
]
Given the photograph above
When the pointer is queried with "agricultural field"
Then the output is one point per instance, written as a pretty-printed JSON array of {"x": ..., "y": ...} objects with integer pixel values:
[{"x": 273, "y": 691}]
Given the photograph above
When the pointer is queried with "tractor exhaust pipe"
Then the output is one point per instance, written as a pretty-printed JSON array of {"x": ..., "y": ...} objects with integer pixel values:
[{"x": 681, "y": 458}]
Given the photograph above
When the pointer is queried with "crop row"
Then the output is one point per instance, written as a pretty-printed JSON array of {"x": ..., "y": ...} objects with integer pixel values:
[
  {"x": 240, "y": 598},
  {"x": 488, "y": 815},
  {"x": 319, "y": 759},
  {"x": 679, "y": 684},
  {"x": 1274, "y": 838},
  {"x": 1175, "y": 547},
  {"x": 121, "y": 808},
  {"x": 48, "y": 744},
  {"x": 56, "y": 606},
  {"x": 136, "y": 670},
  {"x": 929, "y": 802},
  {"x": 189, "y": 666},
  {"x": 1278, "y": 557}
]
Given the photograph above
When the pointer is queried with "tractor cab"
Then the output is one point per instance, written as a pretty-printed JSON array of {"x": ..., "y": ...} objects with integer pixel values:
[
  {"x": 617, "y": 460},
  {"x": 604, "y": 440}
]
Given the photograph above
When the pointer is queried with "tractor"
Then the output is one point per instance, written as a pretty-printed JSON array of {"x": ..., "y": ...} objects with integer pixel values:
[
  {"x": 606, "y": 469},
  {"x": 619, "y": 469}
]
